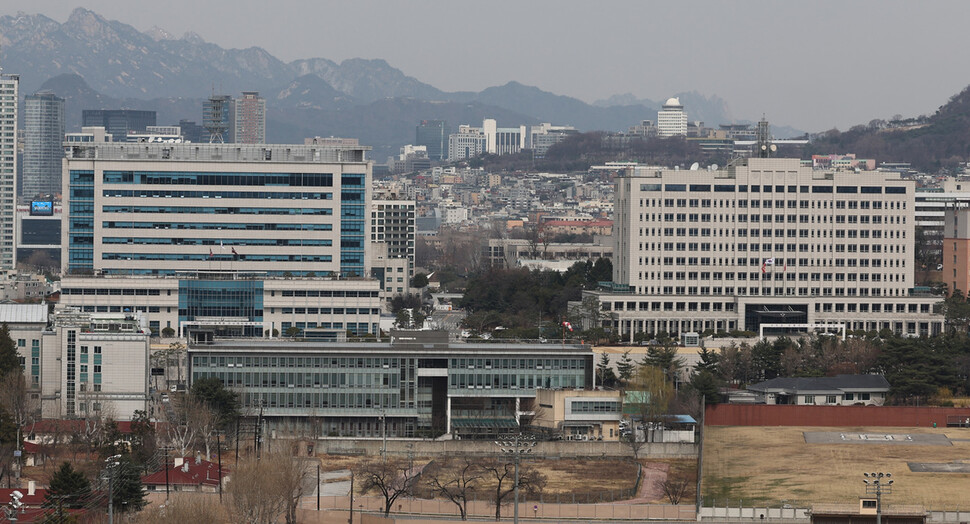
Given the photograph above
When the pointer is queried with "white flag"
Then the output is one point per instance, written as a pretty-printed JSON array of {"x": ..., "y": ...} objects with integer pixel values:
[{"x": 769, "y": 261}]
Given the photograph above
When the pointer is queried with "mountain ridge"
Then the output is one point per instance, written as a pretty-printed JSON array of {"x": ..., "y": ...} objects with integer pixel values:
[{"x": 154, "y": 69}]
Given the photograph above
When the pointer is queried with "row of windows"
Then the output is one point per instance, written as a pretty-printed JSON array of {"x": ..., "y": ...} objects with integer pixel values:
[
  {"x": 214, "y": 226},
  {"x": 179, "y": 241},
  {"x": 702, "y": 247},
  {"x": 329, "y": 311},
  {"x": 219, "y": 210},
  {"x": 216, "y": 258},
  {"x": 779, "y": 248},
  {"x": 790, "y": 219},
  {"x": 326, "y": 294},
  {"x": 262, "y": 195},
  {"x": 512, "y": 363},
  {"x": 513, "y": 381},
  {"x": 764, "y": 276},
  {"x": 780, "y": 204},
  {"x": 827, "y": 307},
  {"x": 744, "y": 188},
  {"x": 218, "y": 179},
  {"x": 300, "y": 362},
  {"x": 112, "y": 291},
  {"x": 596, "y": 406},
  {"x": 839, "y": 291}
]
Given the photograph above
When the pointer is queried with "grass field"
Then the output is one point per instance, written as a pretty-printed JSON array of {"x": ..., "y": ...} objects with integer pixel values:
[{"x": 774, "y": 466}]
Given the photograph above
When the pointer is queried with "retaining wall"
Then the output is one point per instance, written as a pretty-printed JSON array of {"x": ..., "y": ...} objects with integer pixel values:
[{"x": 836, "y": 416}]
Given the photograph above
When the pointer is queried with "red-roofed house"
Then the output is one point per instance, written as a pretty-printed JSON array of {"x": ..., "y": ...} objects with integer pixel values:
[{"x": 187, "y": 474}]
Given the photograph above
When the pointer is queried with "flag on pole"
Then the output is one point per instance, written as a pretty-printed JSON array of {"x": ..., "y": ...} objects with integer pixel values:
[
  {"x": 767, "y": 262},
  {"x": 234, "y": 252},
  {"x": 210, "y": 252},
  {"x": 222, "y": 247}
]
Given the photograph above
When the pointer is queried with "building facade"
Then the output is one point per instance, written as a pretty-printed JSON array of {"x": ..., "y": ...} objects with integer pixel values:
[
  {"x": 158, "y": 209},
  {"x": 118, "y": 122},
  {"x": 956, "y": 250},
  {"x": 671, "y": 119},
  {"x": 249, "y": 119},
  {"x": 418, "y": 384},
  {"x": 94, "y": 365},
  {"x": 393, "y": 222},
  {"x": 9, "y": 87},
  {"x": 235, "y": 303},
  {"x": 764, "y": 240},
  {"x": 433, "y": 134},
  {"x": 468, "y": 142},
  {"x": 43, "y": 136}
]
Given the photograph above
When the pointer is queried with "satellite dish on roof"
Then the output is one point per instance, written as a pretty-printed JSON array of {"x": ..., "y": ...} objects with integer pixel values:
[
  {"x": 714, "y": 167},
  {"x": 694, "y": 166}
]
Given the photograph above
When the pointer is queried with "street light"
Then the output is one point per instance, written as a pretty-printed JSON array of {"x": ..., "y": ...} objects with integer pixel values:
[
  {"x": 11, "y": 508},
  {"x": 516, "y": 445},
  {"x": 878, "y": 483},
  {"x": 110, "y": 464}
]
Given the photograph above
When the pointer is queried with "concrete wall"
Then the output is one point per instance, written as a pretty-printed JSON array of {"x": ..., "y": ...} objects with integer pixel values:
[
  {"x": 837, "y": 416},
  {"x": 556, "y": 448}
]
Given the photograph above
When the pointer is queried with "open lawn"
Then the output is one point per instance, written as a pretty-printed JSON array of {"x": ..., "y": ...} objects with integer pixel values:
[{"x": 774, "y": 466}]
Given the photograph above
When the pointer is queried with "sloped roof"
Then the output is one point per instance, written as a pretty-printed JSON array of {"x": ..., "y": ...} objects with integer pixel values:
[
  {"x": 23, "y": 313},
  {"x": 29, "y": 500},
  {"x": 190, "y": 473},
  {"x": 836, "y": 383}
]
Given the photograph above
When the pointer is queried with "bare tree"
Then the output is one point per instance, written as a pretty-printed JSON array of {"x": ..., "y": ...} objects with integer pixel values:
[
  {"x": 16, "y": 403},
  {"x": 191, "y": 421},
  {"x": 453, "y": 479},
  {"x": 503, "y": 473},
  {"x": 392, "y": 478},
  {"x": 675, "y": 485},
  {"x": 252, "y": 496}
]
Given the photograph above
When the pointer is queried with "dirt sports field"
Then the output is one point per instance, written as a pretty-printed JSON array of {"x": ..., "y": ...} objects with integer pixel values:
[{"x": 776, "y": 465}]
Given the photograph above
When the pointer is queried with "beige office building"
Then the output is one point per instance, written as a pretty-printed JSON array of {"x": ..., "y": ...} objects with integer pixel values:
[{"x": 764, "y": 241}]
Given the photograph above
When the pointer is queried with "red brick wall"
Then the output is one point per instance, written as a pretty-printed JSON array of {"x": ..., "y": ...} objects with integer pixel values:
[{"x": 839, "y": 416}]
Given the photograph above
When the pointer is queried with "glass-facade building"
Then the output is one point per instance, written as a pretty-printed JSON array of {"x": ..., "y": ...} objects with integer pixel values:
[
  {"x": 43, "y": 134},
  {"x": 158, "y": 209},
  {"x": 421, "y": 386}
]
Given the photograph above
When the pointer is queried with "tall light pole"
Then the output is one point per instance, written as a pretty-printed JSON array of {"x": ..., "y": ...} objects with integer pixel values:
[
  {"x": 878, "y": 483},
  {"x": 111, "y": 463},
  {"x": 383, "y": 433},
  {"x": 516, "y": 445}
]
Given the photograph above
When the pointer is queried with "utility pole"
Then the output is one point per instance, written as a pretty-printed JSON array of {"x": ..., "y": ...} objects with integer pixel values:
[
  {"x": 258, "y": 433},
  {"x": 351, "y": 519},
  {"x": 112, "y": 463},
  {"x": 219, "y": 454}
]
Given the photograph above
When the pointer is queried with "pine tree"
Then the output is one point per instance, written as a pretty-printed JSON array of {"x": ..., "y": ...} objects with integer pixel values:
[
  {"x": 9, "y": 360},
  {"x": 127, "y": 491},
  {"x": 625, "y": 367},
  {"x": 68, "y": 488},
  {"x": 604, "y": 373}
]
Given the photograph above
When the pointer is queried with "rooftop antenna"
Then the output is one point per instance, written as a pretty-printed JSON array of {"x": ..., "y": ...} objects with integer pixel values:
[{"x": 765, "y": 147}]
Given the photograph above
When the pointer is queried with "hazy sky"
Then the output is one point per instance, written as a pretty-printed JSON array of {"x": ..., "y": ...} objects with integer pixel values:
[{"x": 810, "y": 64}]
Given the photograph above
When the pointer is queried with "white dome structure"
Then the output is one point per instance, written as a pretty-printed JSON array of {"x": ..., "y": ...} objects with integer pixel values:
[{"x": 673, "y": 102}]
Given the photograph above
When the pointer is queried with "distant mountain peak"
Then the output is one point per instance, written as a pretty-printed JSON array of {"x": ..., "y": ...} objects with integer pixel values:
[{"x": 157, "y": 33}]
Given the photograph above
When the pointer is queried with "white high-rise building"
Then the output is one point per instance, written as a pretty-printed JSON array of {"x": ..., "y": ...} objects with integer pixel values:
[
  {"x": 9, "y": 85},
  {"x": 671, "y": 119}
]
